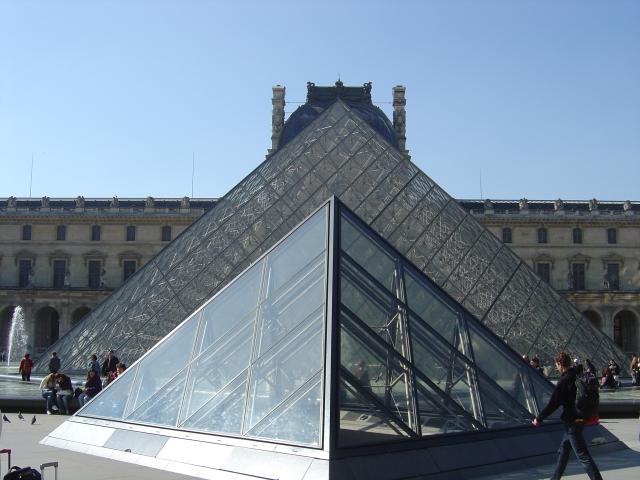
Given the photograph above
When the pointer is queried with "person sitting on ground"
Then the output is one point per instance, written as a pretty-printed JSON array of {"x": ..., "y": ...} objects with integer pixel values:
[
  {"x": 65, "y": 391},
  {"x": 93, "y": 364},
  {"x": 54, "y": 363},
  {"x": 92, "y": 387},
  {"x": 109, "y": 364},
  {"x": 607, "y": 380},
  {"x": 635, "y": 371},
  {"x": 48, "y": 389},
  {"x": 535, "y": 363},
  {"x": 615, "y": 371},
  {"x": 120, "y": 368},
  {"x": 26, "y": 364}
]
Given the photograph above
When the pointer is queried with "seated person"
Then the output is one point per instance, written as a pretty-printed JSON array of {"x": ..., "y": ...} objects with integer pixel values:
[
  {"x": 120, "y": 367},
  {"x": 607, "y": 380},
  {"x": 48, "y": 389},
  {"x": 65, "y": 391},
  {"x": 92, "y": 387}
]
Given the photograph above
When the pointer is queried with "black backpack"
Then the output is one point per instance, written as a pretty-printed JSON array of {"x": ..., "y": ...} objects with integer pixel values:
[
  {"x": 27, "y": 473},
  {"x": 587, "y": 395}
]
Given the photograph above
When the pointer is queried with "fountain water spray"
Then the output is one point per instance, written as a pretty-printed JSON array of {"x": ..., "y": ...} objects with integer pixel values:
[{"x": 17, "y": 342}]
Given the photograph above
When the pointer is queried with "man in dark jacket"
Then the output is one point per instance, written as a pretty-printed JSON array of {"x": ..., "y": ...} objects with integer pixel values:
[
  {"x": 109, "y": 364},
  {"x": 54, "y": 363},
  {"x": 565, "y": 395}
]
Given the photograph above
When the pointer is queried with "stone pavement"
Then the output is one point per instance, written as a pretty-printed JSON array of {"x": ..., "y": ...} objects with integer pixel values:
[
  {"x": 620, "y": 465},
  {"x": 23, "y": 438}
]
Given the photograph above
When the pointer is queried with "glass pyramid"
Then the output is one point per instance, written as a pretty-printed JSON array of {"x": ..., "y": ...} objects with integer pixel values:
[
  {"x": 332, "y": 339},
  {"x": 340, "y": 153}
]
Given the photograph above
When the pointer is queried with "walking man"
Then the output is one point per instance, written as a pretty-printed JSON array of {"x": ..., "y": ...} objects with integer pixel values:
[{"x": 565, "y": 395}]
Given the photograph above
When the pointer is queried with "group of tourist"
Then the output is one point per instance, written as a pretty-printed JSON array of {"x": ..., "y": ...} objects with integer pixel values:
[
  {"x": 57, "y": 388},
  {"x": 609, "y": 377}
]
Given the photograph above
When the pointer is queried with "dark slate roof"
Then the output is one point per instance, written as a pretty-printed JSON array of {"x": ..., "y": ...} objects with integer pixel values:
[
  {"x": 548, "y": 206},
  {"x": 69, "y": 204},
  {"x": 320, "y": 98}
]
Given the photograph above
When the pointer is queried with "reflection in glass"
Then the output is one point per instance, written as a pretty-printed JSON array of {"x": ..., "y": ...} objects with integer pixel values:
[
  {"x": 275, "y": 377},
  {"x": 298, "y": 419},
  {"x": 111, "y": 402},
  {"x": 163, "y": 363},
  {"x": 234, "y": 303}
]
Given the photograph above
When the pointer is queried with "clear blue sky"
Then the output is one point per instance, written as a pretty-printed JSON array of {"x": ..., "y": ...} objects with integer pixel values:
[{"x": 112, "y": 97}]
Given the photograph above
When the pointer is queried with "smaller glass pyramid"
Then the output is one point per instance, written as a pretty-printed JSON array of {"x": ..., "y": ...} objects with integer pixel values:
[{"x": 331, "y": 340}]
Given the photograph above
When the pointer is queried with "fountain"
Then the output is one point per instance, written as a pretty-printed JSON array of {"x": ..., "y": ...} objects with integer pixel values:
[{"x": 17, "y": 341}]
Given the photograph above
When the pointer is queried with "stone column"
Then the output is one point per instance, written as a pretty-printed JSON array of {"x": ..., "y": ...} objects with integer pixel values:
[
  {"x": 400, "y": 117},
  {"x": 64, "y": 322},
  {"x": 277, "y": 116}
]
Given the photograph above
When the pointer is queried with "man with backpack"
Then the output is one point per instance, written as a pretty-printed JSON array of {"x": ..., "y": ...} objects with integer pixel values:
[{"x": 579, "y": 402}]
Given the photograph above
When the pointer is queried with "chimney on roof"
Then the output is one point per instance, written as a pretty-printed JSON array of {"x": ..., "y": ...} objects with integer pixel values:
[
  {"x": 277, "y": 116},
  {"x": 400, "y": 117}
]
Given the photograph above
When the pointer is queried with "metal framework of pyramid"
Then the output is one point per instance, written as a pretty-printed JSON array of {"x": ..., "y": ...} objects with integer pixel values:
[
  {"x": 330, "y": 346},
  {"x": 341, "y": 153}
]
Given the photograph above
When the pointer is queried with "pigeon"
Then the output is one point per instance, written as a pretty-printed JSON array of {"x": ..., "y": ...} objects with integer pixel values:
[
  {"x": 33, "y": 420},
  {"x": 20, "y": 416},
  {"x": 4, "y": 417}
]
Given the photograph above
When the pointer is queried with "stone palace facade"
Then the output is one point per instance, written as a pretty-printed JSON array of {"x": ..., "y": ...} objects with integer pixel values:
[{"x": 60, "y": 257}]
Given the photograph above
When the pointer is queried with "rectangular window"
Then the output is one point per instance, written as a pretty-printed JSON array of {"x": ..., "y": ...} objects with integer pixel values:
[
  {"x": 131, "y": 233},
  {"x": 612, "y": 280},
  {"x": 96, "y": 233},
  {"x": 166, "y": 233},
  {"x": 506, "y": 235},
  {"x": 59, "y": 269},
  {"x": 61, "y": 232},
  {"x": 612, "y": 236},
  {"x": 544, "y": 270},
  {"x": 24, "y": 273},
  {"x": 542, "y": 235},
  {"x": 577, "y": 235},
  {"x": 26, "y": 232},
  {"x": 129, "y": 268},
  {"x": 577, "y": 273},
  {"x": 95, "y": 269}
]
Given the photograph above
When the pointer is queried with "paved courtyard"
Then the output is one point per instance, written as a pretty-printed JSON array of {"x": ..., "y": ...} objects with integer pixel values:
[{"x": 23, "y": 438}]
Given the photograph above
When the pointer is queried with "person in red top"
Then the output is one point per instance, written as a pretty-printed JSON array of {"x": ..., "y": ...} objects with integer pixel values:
[{"x": 26, "y": 364}]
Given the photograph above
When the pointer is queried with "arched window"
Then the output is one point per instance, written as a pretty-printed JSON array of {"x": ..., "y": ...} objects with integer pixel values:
[
  {"x": 542, "y": 235},
  {"x": 507, "y": 235},
  {"x": 26, "y": 232},
  {"x": 577, "y": 235},
  {"x": 61, "y": 232},
  {"x": 612, "y": 235},
  {"x": 96, "y": 233},
  {"x": 166, "y": 233}
]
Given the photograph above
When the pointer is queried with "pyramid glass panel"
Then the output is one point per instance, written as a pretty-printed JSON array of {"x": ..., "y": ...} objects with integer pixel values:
[
  {"x": 163, "y": 407},
  {"x": 112, "y": 401},
  {"x": 297, "y": 419},
  {"x": 424, "y": 363},
  {"x": 246, "y": 361},
  {"x": 223, "y": 412},
  {"x": 162, "y": 364}
]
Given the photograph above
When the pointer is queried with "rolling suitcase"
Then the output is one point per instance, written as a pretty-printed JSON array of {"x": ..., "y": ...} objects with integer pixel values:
[
  {"x": 49, "y": 464},
  {"x": 8, "y": 452}
]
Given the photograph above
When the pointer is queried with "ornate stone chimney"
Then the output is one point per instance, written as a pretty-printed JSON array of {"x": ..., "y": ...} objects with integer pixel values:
[
  {"x": 277, "y": 116},
  {"x": 400, "y": 117}
]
